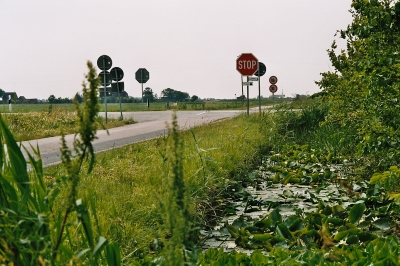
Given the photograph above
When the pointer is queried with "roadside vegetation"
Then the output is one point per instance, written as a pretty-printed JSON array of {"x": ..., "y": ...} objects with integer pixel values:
[
  {"x": 52, "y": 122},
  {"x": 329, "y": 175}
]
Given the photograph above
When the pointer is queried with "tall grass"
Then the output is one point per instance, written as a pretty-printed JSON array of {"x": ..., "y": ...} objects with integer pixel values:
[
  {"x": 307, "y": 125},
  {"x": 127, "y": 185}
]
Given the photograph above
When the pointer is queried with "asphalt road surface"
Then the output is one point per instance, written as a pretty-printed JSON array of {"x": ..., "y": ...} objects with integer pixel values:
[{"x": 150, "y": 125}]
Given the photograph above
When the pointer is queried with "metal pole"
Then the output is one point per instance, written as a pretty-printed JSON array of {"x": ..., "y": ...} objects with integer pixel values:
[
  {"x": 273, "y": 99},
  {"x": 105, "y": 86},
  {"x": 119, "y": 96},
  {"x": 248, "y": 101},
  {"x": 141, "y": 77},
  {"x": 259, "y": 92},
  {"x": 241, "y": 96}
]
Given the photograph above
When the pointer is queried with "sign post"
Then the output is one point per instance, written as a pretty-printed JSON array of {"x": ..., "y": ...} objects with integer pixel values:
[
  {"x": 117, "y": 75},
  {"x": 273, "y": 88},
  {"x": 260, "y": 72},
  {"x": 9, "y": 104},
  {"x": 142, "y": 76},
  {"x": 247, "y": 65},
  {"x": 104, "y": 62}
]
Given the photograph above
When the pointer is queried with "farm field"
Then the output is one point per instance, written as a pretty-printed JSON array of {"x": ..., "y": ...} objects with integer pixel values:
[
  {"x": 136, "y": 107},
  {"x": 55, "y": 122}
]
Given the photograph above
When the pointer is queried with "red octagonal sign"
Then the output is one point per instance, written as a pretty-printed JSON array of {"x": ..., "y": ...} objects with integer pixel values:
[{"x": 247, "y": 64}]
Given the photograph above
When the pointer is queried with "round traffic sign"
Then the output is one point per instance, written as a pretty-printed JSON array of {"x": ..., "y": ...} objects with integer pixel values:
[
  {"x": 116, "y": 73},
  {"x": 273, "y": 79},
  {"x": 142, "y": 75},
  {"x": 273, "y": 88},
  {"x": 261, "y": 70},
  {"x": 104, "y": 62},
  {"x": 105, "y": 78},
  {"x": 247, "y": 64}
]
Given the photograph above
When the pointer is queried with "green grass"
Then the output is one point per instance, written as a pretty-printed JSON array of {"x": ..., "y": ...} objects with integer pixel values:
[
  {"x": 136, "y": 107},
  {"x": 127, "y": 184}
]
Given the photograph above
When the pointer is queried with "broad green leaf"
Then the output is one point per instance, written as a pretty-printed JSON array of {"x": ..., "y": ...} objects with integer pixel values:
[
  {"x": 240, "y": 222},
  {"x": 382, "y": 224},
  {"x": 340, "y": 235},
  {"x": 296, "y": 225},
  {"x": 276, "y": 217},
  {"x": 258, "y": 259},
  {"x": 356, "y": 212},
  {"x": 337, "y": 209},
  {"x": 335, "y": 221},
  {"x": 283, "y": 231},
  {"x": 366, "y": 236},
  {"x": 352, "y": 240}
]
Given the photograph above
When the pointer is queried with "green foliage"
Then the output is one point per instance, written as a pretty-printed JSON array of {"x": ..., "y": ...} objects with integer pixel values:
[
  {"x": 381, "y": 251},
  {"x": 174, "y": 95},
  {"x": 364, "y": 88},
  {"x": 390, "y": 181},
  {"x": 307, "y": 119},
  {"x": 53, "y": 100},
  {"x": 176, "y": 201},
  {"x": 148, "y": 94}
]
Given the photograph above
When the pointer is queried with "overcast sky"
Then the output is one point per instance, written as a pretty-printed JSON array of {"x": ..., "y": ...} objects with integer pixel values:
[{"x": 186, "y": 45}]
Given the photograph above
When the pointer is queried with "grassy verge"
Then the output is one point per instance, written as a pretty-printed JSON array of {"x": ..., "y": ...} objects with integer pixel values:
[
  {"x": 36, "y": 125},
  {"x": 127, "y": 184}
]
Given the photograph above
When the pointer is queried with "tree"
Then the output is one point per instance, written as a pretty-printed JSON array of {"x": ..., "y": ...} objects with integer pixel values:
[
  {"x": 78, "y": 98},
  {"x": 148, "y": 94},
  {"x": 168, "y": 94},
  {"x": 2, "y": 93},
  {"x": 173, "y": 95},
  {"x": 194, "y": 98},
  {"x": 52, "y": 99},
  {"x": 364, "y": 87}
]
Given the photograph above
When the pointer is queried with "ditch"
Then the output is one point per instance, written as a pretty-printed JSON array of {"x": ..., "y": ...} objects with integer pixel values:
[{"x": 302, "y": 202}]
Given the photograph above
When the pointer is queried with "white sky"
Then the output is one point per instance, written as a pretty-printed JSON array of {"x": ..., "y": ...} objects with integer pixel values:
[{"x": 186, "y": 45}]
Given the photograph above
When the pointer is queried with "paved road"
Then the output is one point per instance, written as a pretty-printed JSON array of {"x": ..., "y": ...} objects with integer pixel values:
[{"x": 150, "y": 125}]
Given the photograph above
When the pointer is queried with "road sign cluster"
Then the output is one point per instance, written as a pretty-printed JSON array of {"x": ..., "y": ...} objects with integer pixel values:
[
  {"x": 273, "y": 88},
  {"x": 116, "y": 74},
  {"x": 247, "y": 65},
  {"x": 104, "y": 62}
]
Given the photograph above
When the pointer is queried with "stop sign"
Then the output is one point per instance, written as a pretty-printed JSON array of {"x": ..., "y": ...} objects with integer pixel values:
[{"x": 247, "y": 64}]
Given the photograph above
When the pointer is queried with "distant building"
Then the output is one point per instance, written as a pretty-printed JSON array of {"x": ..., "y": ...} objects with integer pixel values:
[
  {"x": 10, "y": 95},
  {"x": 277, "y": 96}
]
